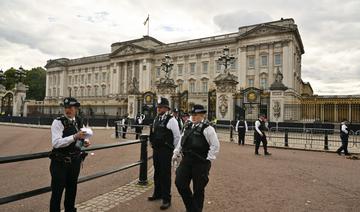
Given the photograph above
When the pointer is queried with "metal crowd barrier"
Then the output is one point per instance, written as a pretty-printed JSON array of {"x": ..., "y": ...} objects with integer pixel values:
[
  {"x": 142, "y": 163},
  {"x": 294, "y": 137}
]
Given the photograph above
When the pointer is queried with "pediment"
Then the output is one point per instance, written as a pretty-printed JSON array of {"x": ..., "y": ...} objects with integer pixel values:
[
  {"x": 128, "y": 49},
  {"x": 265, "y": 29},
  {"x": 54, "y": 64}
]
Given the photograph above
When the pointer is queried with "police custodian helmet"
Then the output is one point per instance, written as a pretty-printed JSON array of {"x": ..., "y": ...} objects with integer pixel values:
[
  {"x": 198, "y": 109},
  {"x": 163, "y": 102},
  {"x": 70, "y": 101}
]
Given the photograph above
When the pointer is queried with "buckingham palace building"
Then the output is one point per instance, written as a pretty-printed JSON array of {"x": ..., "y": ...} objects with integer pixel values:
[{"x": 263, "y": 75}]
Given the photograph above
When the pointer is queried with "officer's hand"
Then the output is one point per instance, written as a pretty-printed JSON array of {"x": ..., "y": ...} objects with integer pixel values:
[
  {"x": 175, "y": 160},
  {"x": 87, "y": 143},
  {"x": 80, "y": 135}
]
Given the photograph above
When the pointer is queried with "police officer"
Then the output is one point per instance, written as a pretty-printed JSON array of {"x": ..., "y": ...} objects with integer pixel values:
[
  {"x": 177, "y": 117},
  {"x": 241, "y": 127},
  {"x": 139, "y": 121},
  {"x": 66, "y": 157},
  {"x": 199, "y": 146},
  {"x": 260, "y": 136},
  {"x": 124, "y": 123},
  {"x": 164, "y": 138},
  {"x": 344, "y": 136}
]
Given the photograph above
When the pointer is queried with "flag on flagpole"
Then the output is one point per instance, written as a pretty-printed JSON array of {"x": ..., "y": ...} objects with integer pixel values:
[{"x": 147, "y": 19}]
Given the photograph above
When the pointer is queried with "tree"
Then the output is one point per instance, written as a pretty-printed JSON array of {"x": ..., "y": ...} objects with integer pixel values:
[
  {"x": 10, "y": 78},
  {"x": 36, "y": 80}
]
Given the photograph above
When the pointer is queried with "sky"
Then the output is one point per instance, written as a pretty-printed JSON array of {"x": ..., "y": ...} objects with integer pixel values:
[{"x": 32, "y": 32}]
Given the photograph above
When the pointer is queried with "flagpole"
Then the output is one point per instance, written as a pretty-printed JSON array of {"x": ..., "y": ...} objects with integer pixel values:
[{"x": 148, "y": 24}]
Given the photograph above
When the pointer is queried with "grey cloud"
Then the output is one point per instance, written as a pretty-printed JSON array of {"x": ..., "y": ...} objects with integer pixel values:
[{"x": 233, "y": 20}]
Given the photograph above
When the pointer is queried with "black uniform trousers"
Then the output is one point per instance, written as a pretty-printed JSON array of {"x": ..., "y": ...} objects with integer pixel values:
[
  {"x": 241, "y": 134},
  {"x": 124, "y": 129},
  {"x": 138, "y": 131},
  {"x": 197, "y": 171},
  {"x": 258, "y": 140},
  {"x": 162, "y": 173},
  {"x": 344, "y": 144},
  {"x": 64, "y": 176}
]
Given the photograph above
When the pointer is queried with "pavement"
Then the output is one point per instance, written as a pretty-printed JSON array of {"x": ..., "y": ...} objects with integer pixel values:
[{"x": 289, "y": 180}]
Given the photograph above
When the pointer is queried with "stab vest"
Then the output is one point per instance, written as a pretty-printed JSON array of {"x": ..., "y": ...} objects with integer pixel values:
[
  {"x": 343, "y": 134},
  {"x": 162, "y": 136},
  {"x": 70, "y": 128},
  {"x": 194, "y": 143}
]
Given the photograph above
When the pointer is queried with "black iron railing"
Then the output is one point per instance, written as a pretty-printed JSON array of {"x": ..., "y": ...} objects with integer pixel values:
[{"x": 143, "y": 178}]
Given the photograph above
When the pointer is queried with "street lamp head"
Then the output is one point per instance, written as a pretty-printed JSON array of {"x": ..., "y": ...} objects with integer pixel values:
[{"x": 226, "y": 51}]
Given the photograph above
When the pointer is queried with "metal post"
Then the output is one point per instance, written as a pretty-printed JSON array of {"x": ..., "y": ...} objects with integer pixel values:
[
  {"x": 286, "y": 138},
  {"x": 116, "y": 130},
  {"x": 231, "y": 133},
  {"x": 143, "y": 179},
  {"x": 326, "y": 142}
]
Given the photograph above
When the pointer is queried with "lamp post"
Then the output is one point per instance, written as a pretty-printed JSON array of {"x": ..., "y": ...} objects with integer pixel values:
[
  {"x": 2, "y": 77},
  {"x": 225, "y": 59},
  {"x": 167, "y": 65},
  {"x": 20, "y": 74}
]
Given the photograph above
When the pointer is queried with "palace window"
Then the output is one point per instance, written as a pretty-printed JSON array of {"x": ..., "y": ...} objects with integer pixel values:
[
  {"x": 144, "y": 68},
  {"x": 89, "y": 91},
  {"x": 263, "y": 83},
  {"x": 218, "y": 66},
  {"x": 96, "y": 91},
  {"x": 158, "y": 71},
  {"x": 205, "y": 66},
  {"x": 264, "y": 60},
  {"x": 192, "y": 68},
  {"x": 82, "y": 79},
  {"x": 69, "y": 80},
  {"x": 277, "y": 59},
  {"x": 251, "y": 83},
  {"x": 89, "y": 78},
  {"x": 96, "y": 77},
  {"x": 103, "y": 91},
  {"x": 204, "y": 86},
  {"x": 251, "y": 62},
  {"x": 104, "y": 76},
  {"x": 81, "y": 92},
  {"x": 192, "y": 87},
  {"x": 180, "y": 69},
  {"x": 233, "y": 65},
  {"x": 180, "y": 87},
  {"x": 76, "y": 79}
]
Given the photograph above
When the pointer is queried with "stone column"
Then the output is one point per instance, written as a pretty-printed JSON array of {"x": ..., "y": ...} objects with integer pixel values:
[
  {"x": 277, "y": 98},
  {"x": 19, "y": 99},
  {"x": 225, "y": 91}
]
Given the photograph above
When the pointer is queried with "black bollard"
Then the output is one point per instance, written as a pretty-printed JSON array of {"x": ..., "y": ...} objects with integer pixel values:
[
  {"x": 143, "y": 179},
  {"x": 326, "y": 141},
  {"x": 116, "y": 130},
  {"x": 231, "y": 133},
  {"x": 286, "y": 138}
]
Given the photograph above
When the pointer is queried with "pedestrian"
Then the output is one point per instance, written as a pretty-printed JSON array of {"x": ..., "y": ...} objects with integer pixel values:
[
  {"x": 164, "y": 138},
  {"x": 176, "y": 115},
  {"x": 124, "y": 123},
  {"x": 198, "y": 145},
  {"x": 138, "y": 122},
  {"x": 241, "y": 127},
  {"x": 259, "y": 135},
  {"x": 344, "y": 136},
  {"x": 68, "y": 136}
]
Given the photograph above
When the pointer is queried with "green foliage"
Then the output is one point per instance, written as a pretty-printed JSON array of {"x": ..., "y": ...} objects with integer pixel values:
[{"x": 34, "y": 78}]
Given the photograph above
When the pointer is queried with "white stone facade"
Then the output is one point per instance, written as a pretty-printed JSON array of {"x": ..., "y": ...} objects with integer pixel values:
[{"x": 102, "y": 81}]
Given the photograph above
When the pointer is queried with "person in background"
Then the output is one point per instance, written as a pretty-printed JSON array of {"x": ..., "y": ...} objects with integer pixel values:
[
  {"x": 175, "y": 113},
  {"x": 260, "y": 136},
  {"x": 139, "y": 121},
  {"x": 124, "y": 123},
  {"x": 344, "y": 136},
  {"x": 241, "y": 127}
]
